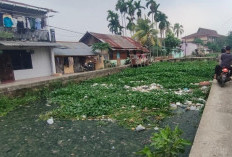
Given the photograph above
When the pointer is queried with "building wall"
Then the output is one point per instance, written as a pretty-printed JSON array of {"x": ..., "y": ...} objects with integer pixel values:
[
  {"x": 122, "y": 62},
  {"x": 123, "y": 55},
  {"x": 99, "y": 63},
  {"x": 41, "y": 63},
  {"x": 205, "y": 39},
  {"x": 178, "y": 54},
  {"x": 190, "y": 47}
]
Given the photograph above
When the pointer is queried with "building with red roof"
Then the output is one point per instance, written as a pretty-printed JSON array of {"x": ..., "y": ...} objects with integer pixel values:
[{"x": 121, "y": 47}]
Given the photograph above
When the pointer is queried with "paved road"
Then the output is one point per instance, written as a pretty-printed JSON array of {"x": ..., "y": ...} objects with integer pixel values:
[{"x": 214, "y": 135}]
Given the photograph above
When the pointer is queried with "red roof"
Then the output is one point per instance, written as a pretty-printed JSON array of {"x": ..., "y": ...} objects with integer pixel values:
[
  {"x": 119, "y": 42},
  {"x": 203, "y": 32}
]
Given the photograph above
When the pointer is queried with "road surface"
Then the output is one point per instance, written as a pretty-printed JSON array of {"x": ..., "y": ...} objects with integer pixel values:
[{"x": 214, "y": 135}]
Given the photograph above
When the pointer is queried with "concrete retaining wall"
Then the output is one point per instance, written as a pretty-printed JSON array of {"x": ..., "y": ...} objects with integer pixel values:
[
  {"x": 15, "y": 87},
  {"x": 192, "y": 59}
]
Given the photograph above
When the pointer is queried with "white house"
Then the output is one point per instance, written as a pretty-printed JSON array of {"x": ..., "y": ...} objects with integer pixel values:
[
  {"x": 27, "y": 52},
  {"x": 188, "y": 48}
]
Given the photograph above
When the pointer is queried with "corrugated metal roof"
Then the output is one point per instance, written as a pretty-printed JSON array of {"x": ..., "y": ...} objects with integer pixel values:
[
  {"x": 28, "y": 44},
  {"x": 120, "y": 42},
  {"x": 203, "y": 32},
  {"x": 73, "y": 49}
]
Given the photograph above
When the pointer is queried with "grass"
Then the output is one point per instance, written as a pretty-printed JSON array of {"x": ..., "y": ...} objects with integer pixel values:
[{"x": 8, "y": 104}]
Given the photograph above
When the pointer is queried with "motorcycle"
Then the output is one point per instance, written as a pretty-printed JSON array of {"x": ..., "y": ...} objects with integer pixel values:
[
  {"x": 89, "y": 67},
  {"x": 224, "y": 77}
]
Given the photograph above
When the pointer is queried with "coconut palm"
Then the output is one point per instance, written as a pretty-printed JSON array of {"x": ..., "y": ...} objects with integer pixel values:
[
  {"x": 139, "y": 8},
  {"x": 178, "y": 29},
  {"x": 121, "y": 6},
  {"x": 153, "y": 9},
  {"x": 114, "y": 24},
  {"x": 145, "y": 33}
]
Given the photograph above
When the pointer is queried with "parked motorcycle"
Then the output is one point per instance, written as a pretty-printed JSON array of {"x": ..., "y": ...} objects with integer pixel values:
[
  {"x": 224, "y": 77},
  {"x": 89, "y": 66}
]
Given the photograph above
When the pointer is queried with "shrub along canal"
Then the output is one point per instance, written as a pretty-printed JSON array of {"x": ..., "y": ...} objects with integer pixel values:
[{"x": 98, "y": 117}]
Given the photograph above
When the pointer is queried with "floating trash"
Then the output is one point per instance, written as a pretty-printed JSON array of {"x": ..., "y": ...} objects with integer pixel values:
[{"x": 50, "y": 121}]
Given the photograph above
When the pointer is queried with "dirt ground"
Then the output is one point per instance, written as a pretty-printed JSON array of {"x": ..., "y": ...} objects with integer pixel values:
[{"x": 23, "y": 134}]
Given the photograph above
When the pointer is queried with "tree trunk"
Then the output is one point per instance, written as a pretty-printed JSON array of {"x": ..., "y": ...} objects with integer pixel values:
[
  {"x": 122, "y": 22},
  {"x": 125, "y": 24}
]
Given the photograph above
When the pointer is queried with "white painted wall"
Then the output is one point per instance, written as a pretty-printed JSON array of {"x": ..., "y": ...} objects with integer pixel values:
[
  {"x": 41, "y": 63},
  {"x": 190, "y": 47}
]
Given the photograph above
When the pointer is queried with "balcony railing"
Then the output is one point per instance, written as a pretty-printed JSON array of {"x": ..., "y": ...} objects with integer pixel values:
[{"x": 24, "y": 34}]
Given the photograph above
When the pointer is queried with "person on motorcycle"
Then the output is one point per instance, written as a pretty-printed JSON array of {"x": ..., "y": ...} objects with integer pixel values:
[
  {"x": 226, "y": 60},
  {"x": 218, "y": 67},
  {"x": 219, "y": 57}
]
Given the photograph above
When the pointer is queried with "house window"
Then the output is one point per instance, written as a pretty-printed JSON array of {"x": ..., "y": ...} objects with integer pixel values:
[
  {"x": 128, "y": 54},
  {"x": 111, "y": 55},
  {"x": 20, "y": 60}
]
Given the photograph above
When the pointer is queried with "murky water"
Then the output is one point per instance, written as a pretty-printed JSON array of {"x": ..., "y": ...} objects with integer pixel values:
[{"x": 23, "y": 134}]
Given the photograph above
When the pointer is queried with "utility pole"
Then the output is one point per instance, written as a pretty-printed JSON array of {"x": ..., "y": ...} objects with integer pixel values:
[{"x": 185, "y": 47}]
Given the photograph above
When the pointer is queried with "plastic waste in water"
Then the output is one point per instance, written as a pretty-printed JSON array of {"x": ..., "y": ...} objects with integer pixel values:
[{"x": 50, "y": 121}]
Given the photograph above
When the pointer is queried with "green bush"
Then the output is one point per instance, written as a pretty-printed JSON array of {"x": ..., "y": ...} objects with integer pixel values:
[{"x": 166, "y": 143}]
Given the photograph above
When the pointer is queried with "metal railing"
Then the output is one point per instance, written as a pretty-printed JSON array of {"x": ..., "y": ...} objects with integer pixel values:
[{"x": 24, "y": 34}]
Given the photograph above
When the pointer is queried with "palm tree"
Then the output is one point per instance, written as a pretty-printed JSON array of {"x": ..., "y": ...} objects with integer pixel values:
[
  {"x": 131, "y": 25},
  {"x": 145, "y": 33},
  {"x": 131, "y": 8},
  {"x": 114, "y": 24},
  {"x": 122, "y": 7},
  {"x": 153, "y": 9},
  {"x": 168, "y": 28},
  {"x": 162, "y": 19},
  {"x": 138, "y": 7},
  {"x": 178, "y": 29}
]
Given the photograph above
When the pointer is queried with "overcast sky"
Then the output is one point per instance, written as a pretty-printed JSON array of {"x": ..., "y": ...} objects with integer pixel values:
[{"x": 90, "y": 15}]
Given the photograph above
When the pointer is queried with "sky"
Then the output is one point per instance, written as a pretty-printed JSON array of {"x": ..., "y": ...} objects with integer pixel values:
[{"x": 90, "y": 15}]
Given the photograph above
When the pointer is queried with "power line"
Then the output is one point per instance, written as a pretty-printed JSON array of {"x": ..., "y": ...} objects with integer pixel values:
[{"x": 64, "y": 29}]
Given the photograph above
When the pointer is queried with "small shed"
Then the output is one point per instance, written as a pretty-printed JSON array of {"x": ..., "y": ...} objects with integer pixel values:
[{"x": 72, "y": 56}]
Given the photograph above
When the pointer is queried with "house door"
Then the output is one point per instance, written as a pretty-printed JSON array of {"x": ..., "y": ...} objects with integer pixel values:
[{"x": 6, "y": 69}]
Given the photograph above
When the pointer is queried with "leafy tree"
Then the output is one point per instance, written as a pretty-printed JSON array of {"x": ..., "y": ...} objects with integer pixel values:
[
  {"x": 171, "y": 42},
  {"x": 139, "y": 8},
  {"x": 229, "y": 39},
  {"x": 114, "y": 24},
  {"x": 213, "y": 46},
  {"x": 100, "y": 46},
  {"x": 145, "y": 33},
  {"x": 198, "y": 41},
  {"x": 221, "y": 42},
  {"x": 178, "y": 29}
]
